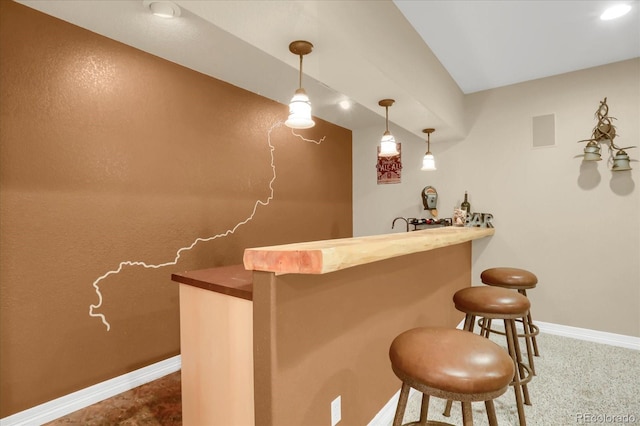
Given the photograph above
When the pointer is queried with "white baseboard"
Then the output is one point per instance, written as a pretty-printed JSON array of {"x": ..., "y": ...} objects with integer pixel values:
[
  {"x": 67, "y": 404},
  {"x": 386, "y": 414},
  {"x": 629, "y": 342},
  {"x": 612, "y": 339}
]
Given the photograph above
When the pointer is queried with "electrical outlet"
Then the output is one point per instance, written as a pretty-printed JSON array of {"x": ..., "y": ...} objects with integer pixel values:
[{"x": 336, "y": 411}]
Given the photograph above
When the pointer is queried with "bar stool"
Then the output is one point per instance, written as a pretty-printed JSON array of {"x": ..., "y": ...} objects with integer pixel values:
[
  {"x": 506, "y": 305},
  {"x": 450, "y": 364},
  {"x": 520, "y": 280}
]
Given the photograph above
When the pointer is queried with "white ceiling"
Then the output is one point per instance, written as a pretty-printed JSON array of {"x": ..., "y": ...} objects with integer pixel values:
[
  {"x": 369, "y": 50},
  {"x": 488, "y": 44}
]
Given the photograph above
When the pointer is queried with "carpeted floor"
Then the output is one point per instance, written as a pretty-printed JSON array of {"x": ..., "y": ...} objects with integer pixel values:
[{"x": 577, "y": 382}]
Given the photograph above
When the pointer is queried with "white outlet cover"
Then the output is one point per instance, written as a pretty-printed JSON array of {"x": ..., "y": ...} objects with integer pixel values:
[{"x": 336, "y": 410}]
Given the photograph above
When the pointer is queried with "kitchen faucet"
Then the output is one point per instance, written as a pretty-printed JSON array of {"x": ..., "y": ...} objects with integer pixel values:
[{"x": 405, "y": 220}]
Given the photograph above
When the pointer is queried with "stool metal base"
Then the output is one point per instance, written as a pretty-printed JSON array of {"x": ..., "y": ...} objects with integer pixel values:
[
  {"x": 530, "y": 332},
  {"x": 467, "y": 413},
  {"x": 523, "y": 373}
]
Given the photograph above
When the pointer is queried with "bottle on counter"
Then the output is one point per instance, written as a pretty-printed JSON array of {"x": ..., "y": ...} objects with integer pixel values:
[{"x": 465, "y": 204}]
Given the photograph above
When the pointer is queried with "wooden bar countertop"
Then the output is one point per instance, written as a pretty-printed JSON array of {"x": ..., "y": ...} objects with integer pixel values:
[
  {"x": 321, "y": 257},
  {"x": 232, "y": 280}
]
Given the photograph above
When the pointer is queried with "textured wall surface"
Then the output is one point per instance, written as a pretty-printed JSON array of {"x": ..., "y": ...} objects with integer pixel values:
[{"x": 118, "y": 168}]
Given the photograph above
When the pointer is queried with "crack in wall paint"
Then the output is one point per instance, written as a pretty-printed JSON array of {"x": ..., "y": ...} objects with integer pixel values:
[{"x": 230, "y": 231}]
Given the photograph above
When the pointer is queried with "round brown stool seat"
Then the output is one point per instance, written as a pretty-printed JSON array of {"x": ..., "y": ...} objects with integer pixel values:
[
  {"x": 513, "y": 278},
  {"x": 493, "y": 302},
  {"x": 520, "y": 280},
  {"x": 506, "y": 305},
  {"x": 450, "y": 364}
]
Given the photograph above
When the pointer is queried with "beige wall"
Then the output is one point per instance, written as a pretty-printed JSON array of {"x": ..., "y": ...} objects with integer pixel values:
[
  {"x": 110, "y": 155},
  {"x": 575, "y": 225}
]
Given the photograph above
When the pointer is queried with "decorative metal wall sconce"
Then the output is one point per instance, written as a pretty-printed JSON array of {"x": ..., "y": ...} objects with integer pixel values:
[
  {"x": 603, "y": 133},
  {"x": 388, "y": 147},
  {"x": 300, "y": 107},
  {"x": 428, "y": 161}
]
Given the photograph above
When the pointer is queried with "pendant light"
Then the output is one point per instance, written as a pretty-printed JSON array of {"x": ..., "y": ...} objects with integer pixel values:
[
  {"x": 428, "y": 161},
  {"x": 300, "y": 107},
  {"x": 388, "y": 147}
]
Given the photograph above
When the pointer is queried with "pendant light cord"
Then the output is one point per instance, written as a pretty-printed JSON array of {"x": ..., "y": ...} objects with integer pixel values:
[
  {"x": 386, "y": 109},
  {"x": 300, "y": 79}
]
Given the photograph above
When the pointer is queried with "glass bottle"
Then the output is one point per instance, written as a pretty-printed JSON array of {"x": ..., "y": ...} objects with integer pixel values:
[{"x": 465, "y": 204}]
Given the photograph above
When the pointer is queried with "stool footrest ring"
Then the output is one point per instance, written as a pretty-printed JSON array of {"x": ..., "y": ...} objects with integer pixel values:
[
  {"x": 534, "y": 329},
  {"x": 528, "y": 375}
]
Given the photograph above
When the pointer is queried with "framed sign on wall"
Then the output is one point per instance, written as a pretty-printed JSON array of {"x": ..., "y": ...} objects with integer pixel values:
[{"x": 389, "y": 168}]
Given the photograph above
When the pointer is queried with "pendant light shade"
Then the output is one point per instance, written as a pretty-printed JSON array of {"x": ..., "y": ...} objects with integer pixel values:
[
  {"x": 428, "y": 161},
  {"x": 300, "y": 107},
  {"x": 388, "y": 147},
  {"x": 300, "y": 111},
  {"x": 621, "y": 161},
  {"x": 592, "y": 152}
]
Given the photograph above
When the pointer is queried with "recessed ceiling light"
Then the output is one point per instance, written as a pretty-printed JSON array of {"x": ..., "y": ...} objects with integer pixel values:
[
  {"x": 614, "y": 12},
  {"x": 345, "y": 104},
  {"x": 163, "y": 9}
]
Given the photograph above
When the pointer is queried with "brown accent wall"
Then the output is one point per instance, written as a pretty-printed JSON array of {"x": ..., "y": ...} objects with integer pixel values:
[{"x": 111, "y": 155}]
